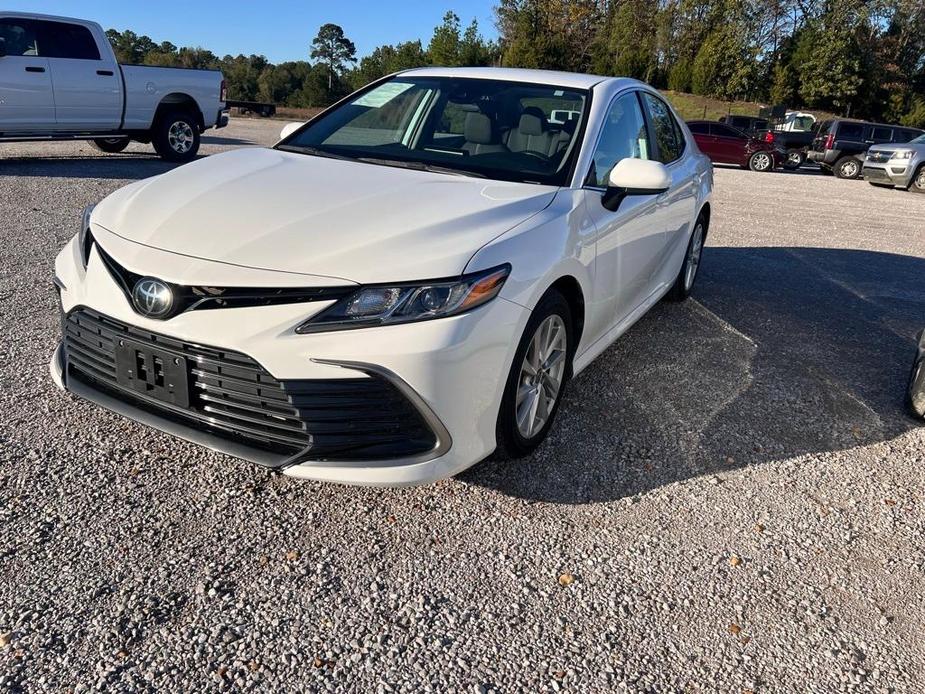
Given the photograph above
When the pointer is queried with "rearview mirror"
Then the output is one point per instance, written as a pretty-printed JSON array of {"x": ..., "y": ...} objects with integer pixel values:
[
  {"x": 288, "y": 129},
  {"x": 635, "y": 177}
]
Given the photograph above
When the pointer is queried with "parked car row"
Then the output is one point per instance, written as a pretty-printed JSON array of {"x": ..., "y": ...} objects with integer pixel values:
[{"x": 884, "y": 155}]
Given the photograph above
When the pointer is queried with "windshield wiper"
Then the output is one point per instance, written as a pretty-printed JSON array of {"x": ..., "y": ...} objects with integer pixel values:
[
  {"x": 420, "y": 166},
  {"x": 314, "y": 151}
]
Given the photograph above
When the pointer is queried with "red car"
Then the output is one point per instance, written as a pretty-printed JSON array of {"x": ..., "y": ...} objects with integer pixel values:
[{"x": 727, "y": 145}]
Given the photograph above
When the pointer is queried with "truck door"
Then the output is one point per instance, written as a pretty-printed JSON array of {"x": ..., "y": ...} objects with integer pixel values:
[
  {"x": 26, "y": 99},
  {"x": 87, "y": 83}
]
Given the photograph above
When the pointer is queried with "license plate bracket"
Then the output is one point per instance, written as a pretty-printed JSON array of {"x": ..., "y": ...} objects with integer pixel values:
[{"x": 153, "y": 372}]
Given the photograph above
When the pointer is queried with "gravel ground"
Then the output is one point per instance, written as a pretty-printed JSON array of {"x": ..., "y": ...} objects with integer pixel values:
[{"x": 730, "y": 501}]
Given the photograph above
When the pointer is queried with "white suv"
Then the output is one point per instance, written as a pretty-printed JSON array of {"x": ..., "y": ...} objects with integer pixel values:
[{"x": 398, "y": 287}]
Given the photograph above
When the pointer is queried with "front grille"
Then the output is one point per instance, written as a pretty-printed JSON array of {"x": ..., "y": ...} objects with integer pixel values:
[
  {"x": 230, "y": 395},
  {"x": 875, "y": 174},
  {"x": 879, "y": 157}
]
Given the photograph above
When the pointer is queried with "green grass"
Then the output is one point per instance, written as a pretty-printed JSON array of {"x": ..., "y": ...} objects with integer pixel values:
[{"x": 693, "y": 107}]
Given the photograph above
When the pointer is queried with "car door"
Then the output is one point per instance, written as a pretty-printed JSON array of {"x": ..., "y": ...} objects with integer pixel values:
[
  {"x": 730, "y": 143},
  {"x": 631, "y": 239},
  {"x": 706, "y": 142},
  {"x": 87, "y": 86},
  {"x": 26, "y": 97}
]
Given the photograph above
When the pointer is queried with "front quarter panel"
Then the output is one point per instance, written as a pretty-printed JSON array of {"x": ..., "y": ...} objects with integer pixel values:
[{"x": 558, "y": 242}]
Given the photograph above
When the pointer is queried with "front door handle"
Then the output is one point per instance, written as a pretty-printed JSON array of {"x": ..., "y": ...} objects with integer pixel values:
[
  {"x": 104, "y": 73},
  {"x": 33, "y": 68}
]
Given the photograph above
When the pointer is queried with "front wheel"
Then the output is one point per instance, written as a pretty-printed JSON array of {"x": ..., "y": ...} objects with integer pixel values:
[
  {"x": 537, "y": 379},
  {"x": 175, "y": 137},
  {"x": 761, "y": 161},
  {"x": 111, "y": 145},
  {"x": 918, "y": 181},
  {"x": 915, "y": 396},
  {"x": 688, "y": 274}
]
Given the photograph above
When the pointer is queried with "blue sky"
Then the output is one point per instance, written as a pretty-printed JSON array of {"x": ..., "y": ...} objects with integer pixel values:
[{"x": 279, "y": 29}]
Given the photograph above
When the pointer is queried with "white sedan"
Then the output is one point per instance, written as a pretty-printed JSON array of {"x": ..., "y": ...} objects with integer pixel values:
[{"x": 400, "y": 286}]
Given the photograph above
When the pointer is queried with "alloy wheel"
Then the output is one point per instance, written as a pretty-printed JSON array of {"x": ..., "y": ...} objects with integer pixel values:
[
  {"x": 693, "y": 257},
  {"x": 541, "y": 376},
  {"x": 849, "y": 169},
  {"x": 180, "y": 137},
  {"x": 762, "y": 162},
  {"x": 920, "y": 179},
  {"x": 795, "y": 159}
]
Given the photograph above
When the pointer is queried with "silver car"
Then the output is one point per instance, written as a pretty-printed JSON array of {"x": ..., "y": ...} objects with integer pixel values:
[{"x": 897, "y": 165}]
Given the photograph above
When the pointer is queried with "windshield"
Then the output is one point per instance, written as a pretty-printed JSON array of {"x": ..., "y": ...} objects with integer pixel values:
[
  {"x": 920, "y": 140},
  {"x": 489, "y": 128}
]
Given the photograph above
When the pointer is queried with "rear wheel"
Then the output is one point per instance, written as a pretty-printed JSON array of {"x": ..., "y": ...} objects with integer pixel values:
[
  {"x": 684, "y": 282},
  {"x": 915, "y": 396},
  {"x": 795, "y": 159},
  {"x": 918, "y": 181},
  {"x": 175, "y": 136},
  {"x": 761, "y": 161},
  {"x": 847, "y": 167},
  {"x": 111, "y": 145},
  {"x": 537, "y": 378}
]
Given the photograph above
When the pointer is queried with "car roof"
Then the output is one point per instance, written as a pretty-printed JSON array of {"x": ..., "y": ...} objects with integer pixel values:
[
  {"x": 556, "y": 78},
  {"x": 9, "y": 14}
]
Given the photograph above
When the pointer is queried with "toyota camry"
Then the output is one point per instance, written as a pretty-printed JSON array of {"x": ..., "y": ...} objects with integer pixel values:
[{"x": 397, "y": 288}]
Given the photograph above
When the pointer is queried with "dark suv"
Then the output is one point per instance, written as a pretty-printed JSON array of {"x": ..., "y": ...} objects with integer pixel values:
[{"x": 839, "y": 145}]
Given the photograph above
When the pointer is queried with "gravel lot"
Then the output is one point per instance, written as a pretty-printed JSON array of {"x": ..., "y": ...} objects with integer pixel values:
[{"x": 730, "y": 501}]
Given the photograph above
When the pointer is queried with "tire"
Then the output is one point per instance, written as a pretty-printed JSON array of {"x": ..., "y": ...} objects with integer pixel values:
[
  {"x": 915, "y": 394},
  {"x": 761, "y": 161},
  {"x": 175, "y": 136},
  {"x": 795, "y": 159},
  {"x": 111, "y": 145},
  {"x": 917, "y": 184},
  {"x": 684, "y": 282},
  {"x": 847, "y": 167},
  {"x": 520, "y": 436}
]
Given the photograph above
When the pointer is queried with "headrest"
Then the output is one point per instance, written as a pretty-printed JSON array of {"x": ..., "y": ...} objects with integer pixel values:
[
  {"x": 478, "y": 129},
  {"x": 532, "y": 121}
]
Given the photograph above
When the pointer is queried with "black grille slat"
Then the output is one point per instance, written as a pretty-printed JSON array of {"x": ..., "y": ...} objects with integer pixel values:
[{"x": 232, "y": 396}]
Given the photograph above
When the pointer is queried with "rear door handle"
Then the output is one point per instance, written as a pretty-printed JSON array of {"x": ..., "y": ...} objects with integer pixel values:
[
  {"x": 32, "y": 68},
  {"x": 104, "y": 73}
]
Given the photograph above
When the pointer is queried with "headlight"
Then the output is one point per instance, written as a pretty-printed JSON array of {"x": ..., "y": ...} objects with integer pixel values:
[
  {"x": 406, "y": 303},
  {"x": 902, "y": 154},
  {"x": 84, "y": 237}
]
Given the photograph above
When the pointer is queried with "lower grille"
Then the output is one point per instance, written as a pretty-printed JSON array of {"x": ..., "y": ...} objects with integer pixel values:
[
  {"x": 230, "y": 395},
  {"x": 875, "y": 174}
]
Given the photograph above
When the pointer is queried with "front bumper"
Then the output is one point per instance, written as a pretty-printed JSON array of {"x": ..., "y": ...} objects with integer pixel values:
[{"x": 452, "y": 371}]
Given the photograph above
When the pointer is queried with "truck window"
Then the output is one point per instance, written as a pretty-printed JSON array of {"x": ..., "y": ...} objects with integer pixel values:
[
  {"x": 882, "y": 135},
  {"x": 64, "y": 40},
  {"x": 18, "y": 37}
]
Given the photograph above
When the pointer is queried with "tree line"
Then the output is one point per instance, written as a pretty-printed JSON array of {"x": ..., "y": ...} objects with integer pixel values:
[{"x": 860, "y": 58}]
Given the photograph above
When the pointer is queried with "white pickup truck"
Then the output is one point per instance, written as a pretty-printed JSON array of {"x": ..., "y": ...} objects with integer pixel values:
[{"x": 59, "y": 80}]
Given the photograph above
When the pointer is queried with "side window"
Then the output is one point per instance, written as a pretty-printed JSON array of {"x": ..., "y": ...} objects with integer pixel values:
[
  {"x": 453, "y": 120},
  {"x": 63, "y": 40},
  {"x": 723, "y": 131},
  {"x": 668, "y": 135},
  {"x": 851, "y": 131},
  {"x": 882, "y": 135},
  {"x": 623, "y": 136},
  {"x": 903, "y": 135},
  {"x": 699, "y": 128},
  {"x": 18, "y": 37}
]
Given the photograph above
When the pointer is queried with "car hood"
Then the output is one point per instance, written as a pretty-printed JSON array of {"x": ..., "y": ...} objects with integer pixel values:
[
  {"x": 893, "y": 146},
  {"x": 275, "y": 210}
]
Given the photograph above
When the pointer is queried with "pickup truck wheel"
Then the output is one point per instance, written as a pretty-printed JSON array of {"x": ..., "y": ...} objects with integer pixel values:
[
  {"x": 847, "y": 167},
  {"x": 918, "y": 181},
  {"x": 761, "y": 161},
  {"x": 111, "y": 145},
  {"x": 795, "y": 159},
  {"x": 176, "y": 137}
]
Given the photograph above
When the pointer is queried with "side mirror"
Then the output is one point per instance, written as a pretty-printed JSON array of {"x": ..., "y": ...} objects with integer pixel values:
[
  {"x": 635, "y": 177},
  {"x": 288, "y": 129}
]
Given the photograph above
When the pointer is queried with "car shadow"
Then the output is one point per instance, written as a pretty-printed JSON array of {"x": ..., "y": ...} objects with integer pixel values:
[
  {"x": 126, "y": 166},
  {"x": 219, "y": 140},
  {"x": 781, "y": 352}
]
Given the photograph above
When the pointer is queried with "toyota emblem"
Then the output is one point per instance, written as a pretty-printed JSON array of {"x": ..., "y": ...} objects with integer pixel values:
[{"x": 152, "y": 297}]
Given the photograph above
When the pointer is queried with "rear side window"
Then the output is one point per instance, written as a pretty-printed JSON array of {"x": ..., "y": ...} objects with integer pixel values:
[
  {"x": 882, "y": 134},
  {"x": 699, "y": 128},
  {"x": 851, "y": 131},
  {"x": 903, "y": 135},
  {"x": 64, "y": 40},
  {"x": 19, "y": 37},
  {"x": 668, "y": 135},
  {"x": 725, "y": 131}
]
